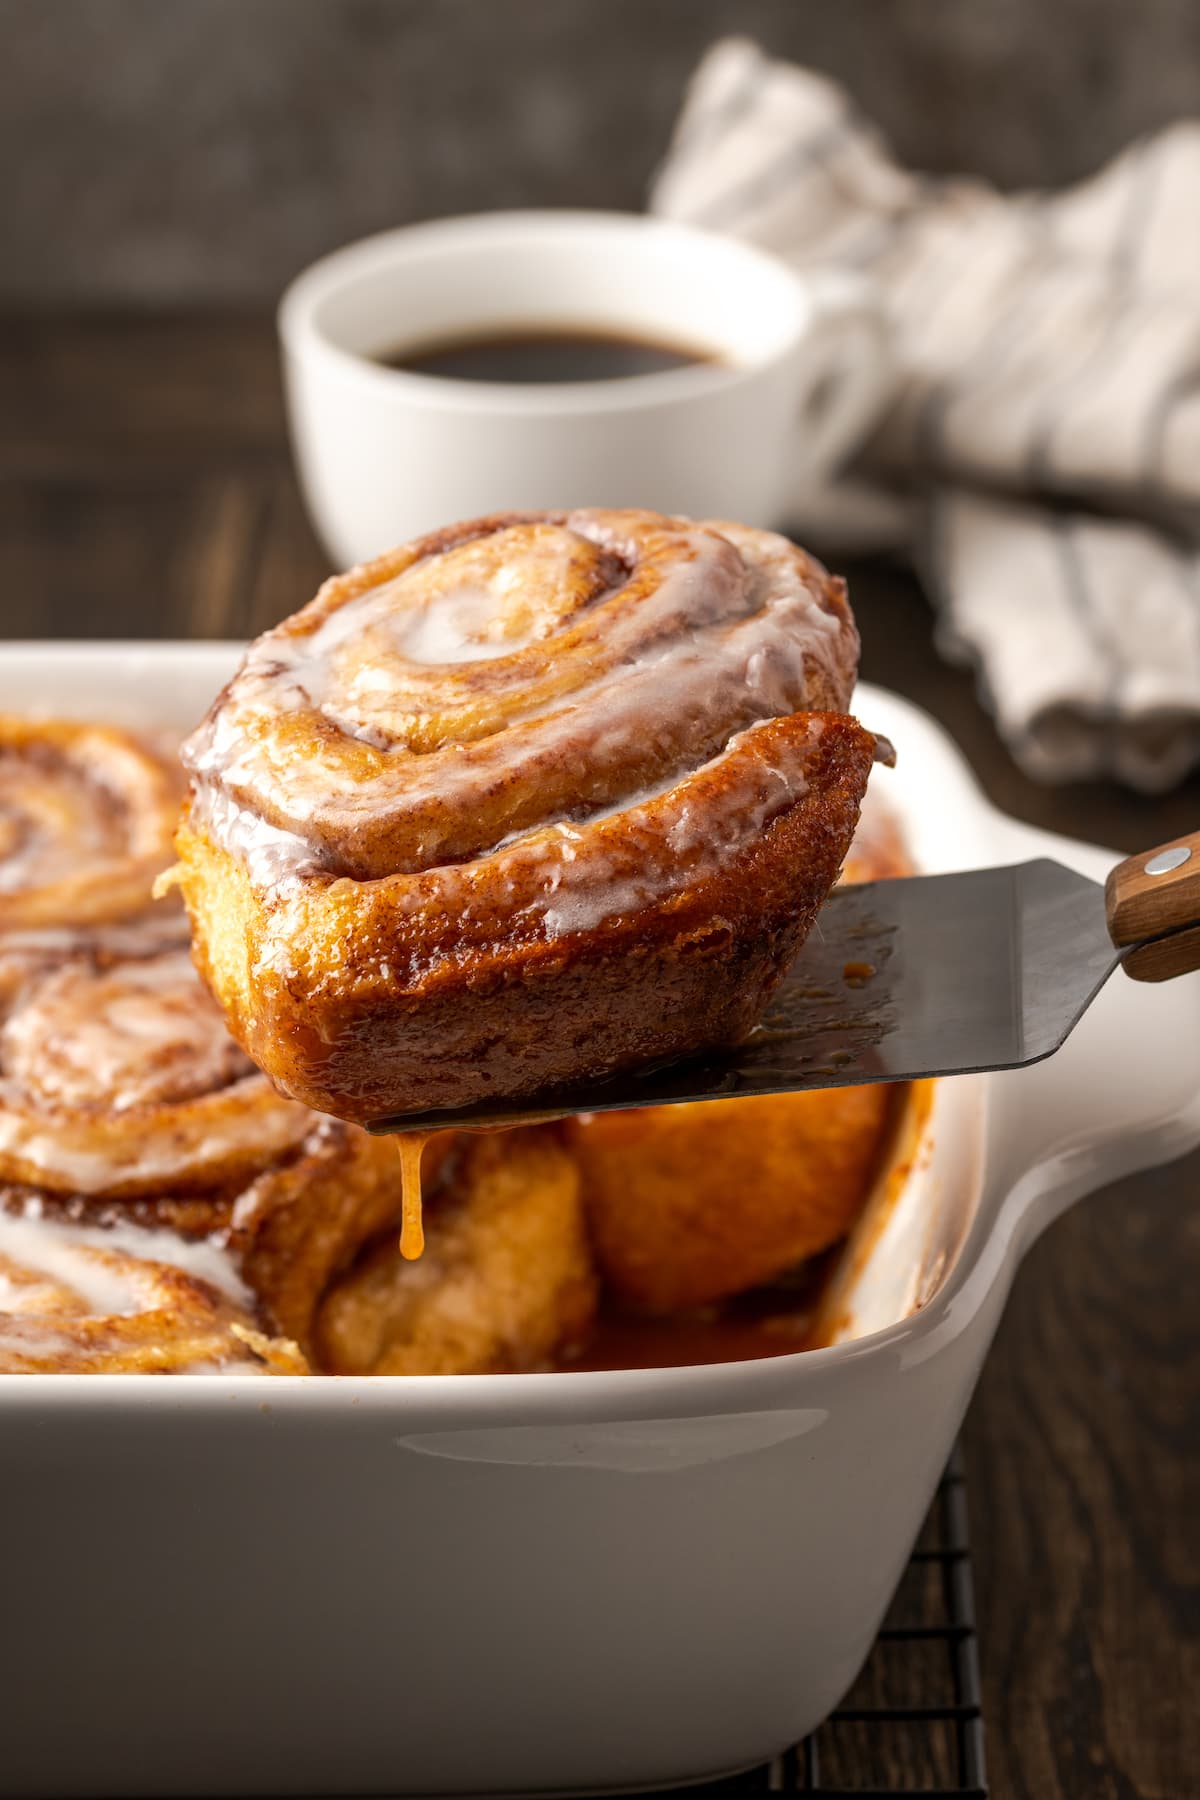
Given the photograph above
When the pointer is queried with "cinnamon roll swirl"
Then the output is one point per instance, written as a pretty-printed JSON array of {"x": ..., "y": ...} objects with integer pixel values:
[
  {"x": 528, "y": 801},
  {"x": 87, "y": 815},
  {"x": 76, "y": 1300},
  {"x": 126, "y": 1109}
]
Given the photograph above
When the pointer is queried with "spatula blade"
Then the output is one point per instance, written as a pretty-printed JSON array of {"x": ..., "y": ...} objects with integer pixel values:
[{"x": 900, "y": 979}]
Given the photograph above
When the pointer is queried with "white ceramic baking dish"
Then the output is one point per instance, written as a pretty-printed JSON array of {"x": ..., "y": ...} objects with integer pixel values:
[{"x": 551, "y": 1582}]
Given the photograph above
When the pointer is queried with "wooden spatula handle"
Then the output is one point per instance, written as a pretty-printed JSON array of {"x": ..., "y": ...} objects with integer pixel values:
[{"x": 1152, "y": 901}]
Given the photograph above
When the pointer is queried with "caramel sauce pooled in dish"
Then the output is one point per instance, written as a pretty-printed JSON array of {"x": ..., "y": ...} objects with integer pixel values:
[{"x": 710, "y": 1335}]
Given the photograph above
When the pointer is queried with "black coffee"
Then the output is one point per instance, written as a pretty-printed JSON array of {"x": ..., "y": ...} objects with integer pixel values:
[{"x": 545, "y": 353}]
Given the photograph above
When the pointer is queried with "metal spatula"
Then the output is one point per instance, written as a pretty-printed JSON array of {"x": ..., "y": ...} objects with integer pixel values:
[{"x": 929, "y": 975}]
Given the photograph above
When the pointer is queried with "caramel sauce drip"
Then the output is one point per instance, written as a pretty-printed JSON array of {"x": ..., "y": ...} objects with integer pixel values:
[{"x": 411, "y": 1146}]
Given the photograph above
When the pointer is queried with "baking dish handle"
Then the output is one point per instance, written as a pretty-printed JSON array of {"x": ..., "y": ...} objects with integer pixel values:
[{"x": 1122, "y": 1094}]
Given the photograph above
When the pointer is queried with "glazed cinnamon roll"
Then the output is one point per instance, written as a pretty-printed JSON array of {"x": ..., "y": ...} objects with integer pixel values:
[
  {"x": 531, "y": 800},
  {"x": 125, "y": 1107},
  {"x": 87, "y": 815},
  {"x": 82, "y": 1301}
]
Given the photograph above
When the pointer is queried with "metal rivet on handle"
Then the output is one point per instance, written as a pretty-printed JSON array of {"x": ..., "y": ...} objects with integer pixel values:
[{"x": 1166, "y": 860}]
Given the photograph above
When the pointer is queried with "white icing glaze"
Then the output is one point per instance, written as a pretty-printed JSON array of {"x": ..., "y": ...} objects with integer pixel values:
[
  {"x": 163, "y": 927},
  {"x": 732, "y": 630},
  {"x": 145, "y": 1032},
  {"x": 579, "y": 896},
  {"x": 452, "y": 628},
  {"x": 49, "y": 824},
  {"x": 570, "y": 878},
  {"x": 124, "y": 1077},
  {"x": 60, "y": 1281},
  {"x": 40, "y": 1246},
  {"x": 98, "y": 1160},
  {"x": 66, "y": 1254},
  {"x": 269, "y": 856},
  {"x": 619, "y": 709}
]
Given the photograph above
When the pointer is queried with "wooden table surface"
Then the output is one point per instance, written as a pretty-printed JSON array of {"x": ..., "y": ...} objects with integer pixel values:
[{"x": 146, "y": 490}]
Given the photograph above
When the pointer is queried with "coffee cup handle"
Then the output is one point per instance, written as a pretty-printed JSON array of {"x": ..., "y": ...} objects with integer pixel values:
[{"x": 844, "y": 369}]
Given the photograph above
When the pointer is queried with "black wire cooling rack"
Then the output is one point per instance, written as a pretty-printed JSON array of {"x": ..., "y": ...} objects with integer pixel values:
[{"x": 911, "y": 1728}]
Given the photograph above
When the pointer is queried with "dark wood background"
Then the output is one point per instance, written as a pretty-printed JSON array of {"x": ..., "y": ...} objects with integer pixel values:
[
  {"x": 145, "y": 489},
  {"x": 175, "y": 151}
]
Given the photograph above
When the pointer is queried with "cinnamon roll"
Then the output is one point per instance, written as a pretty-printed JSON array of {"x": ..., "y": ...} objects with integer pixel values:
[
  {"x": 531, "y": 800},
  {"x": 126, "y": 1108},
  {"x": 82, "y": 1301},
  {"x": 87, "y": 815},
  {"x": 691, "y": 1204},
  {"x": 506, "y": 1283}
]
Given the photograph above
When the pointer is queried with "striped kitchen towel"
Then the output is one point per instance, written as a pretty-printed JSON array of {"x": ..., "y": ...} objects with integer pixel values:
[{"x": 1045, "y": 425}]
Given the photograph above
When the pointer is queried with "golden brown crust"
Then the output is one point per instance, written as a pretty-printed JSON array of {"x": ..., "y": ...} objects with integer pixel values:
[
  {"x": 506, "y": 1283},
  {"x": 354, "y": 1000},
  {"x": 87, "y": 814}
]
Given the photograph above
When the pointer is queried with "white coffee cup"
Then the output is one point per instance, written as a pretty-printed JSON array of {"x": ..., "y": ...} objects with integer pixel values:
[{"x": 802, "y": 368}]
